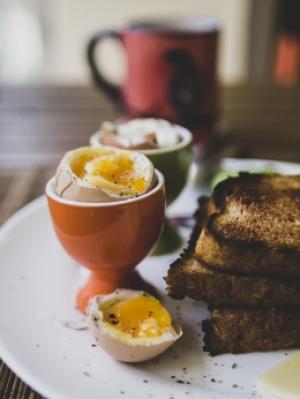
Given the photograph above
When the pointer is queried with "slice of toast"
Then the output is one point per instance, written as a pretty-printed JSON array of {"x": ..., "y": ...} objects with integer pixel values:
[
  {"x": 254, "y": 226},
  {"x": 187, "y": 276},
  {"x": 243, "y": 330}
]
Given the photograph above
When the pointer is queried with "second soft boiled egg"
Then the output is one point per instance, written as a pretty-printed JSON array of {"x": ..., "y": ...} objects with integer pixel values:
[
  {"x": 132, "y": 326},
  {"x": 103, "y": 174}
]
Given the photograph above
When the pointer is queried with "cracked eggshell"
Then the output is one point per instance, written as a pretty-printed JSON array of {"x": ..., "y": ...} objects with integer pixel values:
[
  {"x": 122, "y": 346},
  {"x": 66, "y": 185},
  {"x": 69, "y": 186}
]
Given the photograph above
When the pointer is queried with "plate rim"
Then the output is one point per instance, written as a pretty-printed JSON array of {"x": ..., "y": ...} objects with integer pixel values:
[{"x": 262, "y": 160}]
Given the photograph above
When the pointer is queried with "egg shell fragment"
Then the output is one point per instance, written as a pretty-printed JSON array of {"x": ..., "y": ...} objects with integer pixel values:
[
  {"x": 133, "y": 350},
  {"x": 66, "y": 186}
]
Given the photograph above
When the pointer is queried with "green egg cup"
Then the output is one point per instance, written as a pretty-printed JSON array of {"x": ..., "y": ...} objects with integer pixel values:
[{"x": 174, "y": 163}]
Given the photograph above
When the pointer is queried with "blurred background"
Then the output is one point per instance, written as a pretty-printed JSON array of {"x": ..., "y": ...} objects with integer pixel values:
[
  {"x": 46, "y": 84},
  {"x": 43, "y": 42}
]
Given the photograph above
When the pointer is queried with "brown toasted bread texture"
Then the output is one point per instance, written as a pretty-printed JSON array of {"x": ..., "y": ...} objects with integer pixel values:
[
  {"x": 188, "y": 276},
  {"x": 235, "y": 330},
  {"x": 254, "y": 226},
  {"x": 192, "y": 279},
  {"x": 243, "y": 259}
]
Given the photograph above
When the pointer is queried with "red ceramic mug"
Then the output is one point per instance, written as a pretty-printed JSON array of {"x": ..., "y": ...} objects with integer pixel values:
[{"x": 171, "y": 70}]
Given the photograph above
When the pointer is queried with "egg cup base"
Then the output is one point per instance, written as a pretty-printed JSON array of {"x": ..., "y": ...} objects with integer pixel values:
[{"x": 100, "y": 284}]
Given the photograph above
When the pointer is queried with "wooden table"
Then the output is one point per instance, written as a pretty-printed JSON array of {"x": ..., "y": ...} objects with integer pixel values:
[{"x": 37, "y": 125}]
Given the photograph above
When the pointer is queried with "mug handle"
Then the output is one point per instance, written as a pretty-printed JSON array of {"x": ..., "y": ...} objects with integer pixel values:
[{"x": 110, "y": 89}]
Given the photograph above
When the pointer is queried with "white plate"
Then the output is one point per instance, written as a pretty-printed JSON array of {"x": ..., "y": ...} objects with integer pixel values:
[{"x": 38, "y": 282}]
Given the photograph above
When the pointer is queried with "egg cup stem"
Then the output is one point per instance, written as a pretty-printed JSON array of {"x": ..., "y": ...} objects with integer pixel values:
[{"x": 102, "y": 282}]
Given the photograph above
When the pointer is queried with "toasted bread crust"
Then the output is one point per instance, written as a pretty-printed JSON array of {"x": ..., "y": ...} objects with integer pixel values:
[
  {"x": 255, "y": 226},
  {"x": 235, "y": 330},
  {"x": 243, "y": 259},
  {"x": 189, "y": 276},
  {"x": 192, "y": 279}
]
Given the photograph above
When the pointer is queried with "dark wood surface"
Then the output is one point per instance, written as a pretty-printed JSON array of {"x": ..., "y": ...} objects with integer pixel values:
[{"x": 37, "y": 125}]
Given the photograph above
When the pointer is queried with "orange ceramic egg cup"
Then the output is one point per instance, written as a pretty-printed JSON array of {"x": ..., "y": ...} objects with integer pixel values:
[{"x": 108, "y": 238}]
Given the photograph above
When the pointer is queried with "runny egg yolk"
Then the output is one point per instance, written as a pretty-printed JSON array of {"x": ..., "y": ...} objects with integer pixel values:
[
  {"x": 78, "y": 164},
  {"x": 118, "y": 169},
  {"x": 142, "y": 316}
]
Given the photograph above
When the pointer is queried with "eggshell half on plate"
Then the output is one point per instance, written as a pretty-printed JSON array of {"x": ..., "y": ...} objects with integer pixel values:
[{"x": 133, "y": 350}]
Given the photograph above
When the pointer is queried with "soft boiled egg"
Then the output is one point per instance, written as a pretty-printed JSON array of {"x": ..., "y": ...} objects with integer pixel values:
[
  {"x": 103, "y": 174},
  {"x": 132, "y": 326}
]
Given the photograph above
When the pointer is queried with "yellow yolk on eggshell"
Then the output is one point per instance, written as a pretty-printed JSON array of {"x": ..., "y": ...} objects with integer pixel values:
[
  {"x": 117, "y": 169},
  {"x": 142, "y": 316},
  {"x": 132, "y": 326},
  {"x": 103, "y": 174}
]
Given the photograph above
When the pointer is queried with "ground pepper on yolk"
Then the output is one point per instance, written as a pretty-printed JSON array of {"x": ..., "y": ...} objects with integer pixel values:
[
  {"x": 141, "y": 316},
  {"x": 118, "y": 169}
]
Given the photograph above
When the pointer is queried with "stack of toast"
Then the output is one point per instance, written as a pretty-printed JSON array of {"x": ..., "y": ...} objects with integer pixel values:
[{"x": 243, "y": 260}]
